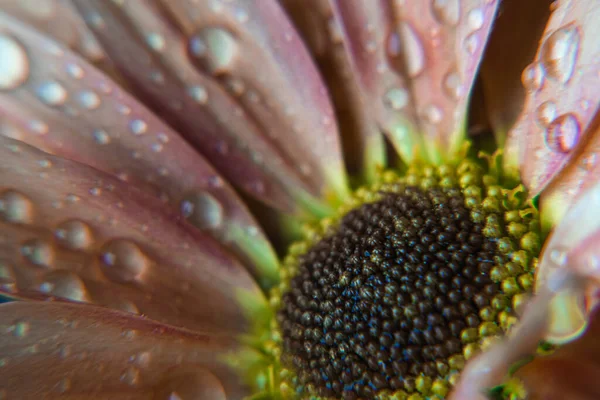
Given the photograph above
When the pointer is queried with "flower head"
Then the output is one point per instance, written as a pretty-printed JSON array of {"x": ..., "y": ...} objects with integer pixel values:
[{"x": 233, "y": 199}]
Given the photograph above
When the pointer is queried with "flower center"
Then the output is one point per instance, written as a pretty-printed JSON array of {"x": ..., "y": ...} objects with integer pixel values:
[{"x": 413, "y": 277}]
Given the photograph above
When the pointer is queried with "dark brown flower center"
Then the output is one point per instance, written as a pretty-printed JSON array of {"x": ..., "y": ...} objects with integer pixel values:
[{"x": 391, "y": 297}]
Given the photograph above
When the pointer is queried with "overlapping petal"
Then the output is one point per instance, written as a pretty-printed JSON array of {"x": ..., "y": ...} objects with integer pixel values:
[
  {"x": 64, "y": 351},
  {"x": 562, "y": 84},
  {"x": 411, "y": 63},
  {"x": 235, "y": 79},
  {"x": 59, "y": 103},
  {"x": 71, "y": 231}
]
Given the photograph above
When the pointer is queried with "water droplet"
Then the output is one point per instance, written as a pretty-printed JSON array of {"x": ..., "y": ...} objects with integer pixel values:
[
  {"x": 74, "y": 234},
  {"x": 64, "y": 351},
  {"x": 546, "y": 113},
  {"x": 472, "y": 43},
  {"x": 562, "y": 134},
  {"x": 95, "y": 20},
  {"x": 89, "y": 99},
  {"x": 20, "y": 328},
  {"x": 96, "y": 191},
  {"x": 414, "y": 54},
  {"x": 452, "y": 85},
  {"x": 123, "y": 109},
  {"x": 15, "y": 207},
  {"x": 156, "y": 147},
  {"x": 475, "y": 19},
  {"x": 215, "y": 48},
  {"x": 203, "y": 210},
  {"x": 101, "y": 136},
  {"x": 396, "y": 98},
  {"x": 52, "y": 93},
  {"x": 559, "y": 53},
  {"x": 447, "y": 11},
  {"x": 241, "y": 15},
  {"x": 532, "y": 77},
  {"x": 235, "y": 86},
  {"x": 142, "y": 359},
  {"x": 38, "y": 127},
  {"x": 198, "y": 93},
  {"x": 7, "y": 277},
  {"x": 75, "y": 71},
  {"x": 123, "y": 260},
  {"x": 138, "y": 126},
  {"x": 38, "y": 252},
  {"x": 14, "y": 64},
  {"x": 335, "y": 31},
  {"x": 131, "y": 376},
  {"x": 156, "y": 41},
  {"x": 64, "y": 284},
  {"x": 432, "y": 114}
]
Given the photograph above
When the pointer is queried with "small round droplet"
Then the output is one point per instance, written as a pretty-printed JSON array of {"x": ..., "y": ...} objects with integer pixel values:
[
  {"x": 452, "y": 85},
  {"x": 414, "y": 54},
  {"x": 156, "y": 41},
  {"x": 75, "y": 71},
  {"x": 15, "y": 207},
  {"x": 123, "y": 260},
  {"x": 396, "y": 98},
  {"x": 138, "y": 127},
  {"x": 52, "y": 93},
  {"x": 432, "y": 114},
  {"x": 14, "y": 64},
  {"x": 101, "y": 136},
  {"x": 533, "y": 77},
  {"x": 199, "y": 94},
  {"x": 475, "y": 19},
  {"x": 562, "y": 134},
  {"x": 74, "y": 234},
  {"x": 20, "y": 328},
  {"x": 89, "y": 99},
  {"x": 216, "y": 49},
  {"x": 447, "y": 11},
  {"x": 64, "y": 284},
  {"x": 559, "y": 53},
  {"x": 203, "y": 210},
  {"x": 131, "y": 376},
  {"x": 546, "y": 113},
  {"x": 38, "y": 252}
]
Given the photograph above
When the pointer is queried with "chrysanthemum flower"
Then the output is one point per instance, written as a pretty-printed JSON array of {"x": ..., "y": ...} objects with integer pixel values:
[{"x": 325, "y": 199}]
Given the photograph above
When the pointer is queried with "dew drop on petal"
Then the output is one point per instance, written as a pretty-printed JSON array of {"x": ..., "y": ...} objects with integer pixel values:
[
  {"x": 65, "y": 284},
  {"x": 7, "y": 277},
  {"x": 475, "y": 19},
  {"x": 155, "y": 41},
  {"x": 198, "y": 93},
  {"x": 202, "y": 210},
  {"x": 52, "y": 93},
  {"x": 75, "y": 71},
  {"x": 101, "y": 136},
  {"x": 546, "y": 113},
  {"x": 562, "y": 134},
  {"x": 20, "y": 328},
  {"x": 533, "y": 77},
  {"x": 15, "y": 207},
  {"x": 123, "y": 260},
  {"x": 559, "y": 53},
  {"x": 131, "y": 376},
  {"x": 396, "y": 98},
  {"x": 216, "y": 49},
  {"x": 414, "y": 53},
  {"x": 38, "y": 252},
  {"x": 446, "y": 11},
  {"x": 14, "y": 64},
  {"x": 138, "y": 127},
  {"x": 452, "y": 85},
  {"x": 74, "y": 234},
  {"x": 89, "y": 99},
  {"x": 432, "y": 114}
]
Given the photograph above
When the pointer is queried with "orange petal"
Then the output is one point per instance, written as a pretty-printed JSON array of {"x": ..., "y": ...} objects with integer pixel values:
[
  {"x": 237, "y": 81},
  {"x": 72, "y": 231},
  {"x": 63, "y": 351},
  {"x": 563, "y": 86},
  {"x": 66, "y": 107},
  {"x": 413, "y": 64}
]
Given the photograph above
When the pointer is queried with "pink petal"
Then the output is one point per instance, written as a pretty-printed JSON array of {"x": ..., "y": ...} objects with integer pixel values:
[
  {"x": 414, "y": 64},
  {"x": 59, "y": 351},
  {"x": 562, "y": 100},
  {"x": 236, "y": 80},
  {"x": 512, "y": 45},
  {"x": 71, "y": 231},
  {"x": 66, "y": 107}
]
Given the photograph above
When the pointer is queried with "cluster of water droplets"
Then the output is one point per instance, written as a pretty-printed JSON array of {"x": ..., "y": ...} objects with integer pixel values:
[{"x": 556, "y": 63}]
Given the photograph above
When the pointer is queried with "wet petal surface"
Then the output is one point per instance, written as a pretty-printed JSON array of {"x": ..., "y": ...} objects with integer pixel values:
[
  {"x": 412, "y": 64},
  {"x": 58, "y": 102},
  {"x": 236, "y": 80},
  {"x": 85, "y": 352},
  {"x": 562, "y": 84},
  {"x": 74, "y": 232}
]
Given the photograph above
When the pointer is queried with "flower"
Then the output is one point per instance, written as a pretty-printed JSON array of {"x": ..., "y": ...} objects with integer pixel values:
[{"x": 148, "y": 147}]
